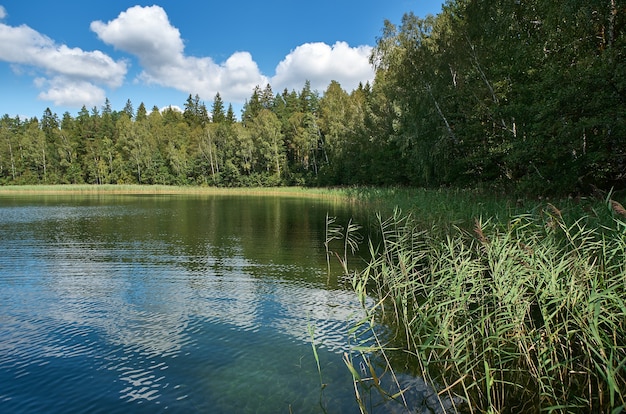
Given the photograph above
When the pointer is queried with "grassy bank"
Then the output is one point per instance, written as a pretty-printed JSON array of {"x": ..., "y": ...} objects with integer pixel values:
[
  {"x": 333, "y": 195},
  {"x": 526, "y": 314},
  {"x": 161, "y": 189}
]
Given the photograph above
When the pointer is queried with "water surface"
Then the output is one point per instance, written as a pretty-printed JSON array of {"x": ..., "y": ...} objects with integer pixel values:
[{"x": 170, "y": 304}]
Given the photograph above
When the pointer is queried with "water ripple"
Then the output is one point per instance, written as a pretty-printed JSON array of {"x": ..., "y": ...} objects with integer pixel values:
[{"x": 112, "y": 324}]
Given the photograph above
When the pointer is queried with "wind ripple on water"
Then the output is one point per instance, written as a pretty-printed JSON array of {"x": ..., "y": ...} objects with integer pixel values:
[
  {"x": 147, "y": 320},
  {"x": 63, "y": 320}
]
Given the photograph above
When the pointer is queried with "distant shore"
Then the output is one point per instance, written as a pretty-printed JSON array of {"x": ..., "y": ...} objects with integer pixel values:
[{"x": 165, "y": 189}]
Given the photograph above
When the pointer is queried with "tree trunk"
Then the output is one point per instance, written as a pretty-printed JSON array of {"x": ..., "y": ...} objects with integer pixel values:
[
  {"x": 612, "y": 18},
  {"x": 276, "y": 155},
  {"x": 45, "y": 175},
  {"x": 443, "y": 117},
  {"x": 210, "y": 144},
  {"x": 11, "y": 156}
]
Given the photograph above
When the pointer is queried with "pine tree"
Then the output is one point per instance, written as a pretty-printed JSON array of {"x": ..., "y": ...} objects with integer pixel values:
[
  {"x": 217, "y": 111},
  {"x": 230, "y": 115},
  {"x": 128, "y": 109}
]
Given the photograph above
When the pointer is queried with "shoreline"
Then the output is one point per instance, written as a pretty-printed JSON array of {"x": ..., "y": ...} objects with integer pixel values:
[{"x": 138, "y": 189}]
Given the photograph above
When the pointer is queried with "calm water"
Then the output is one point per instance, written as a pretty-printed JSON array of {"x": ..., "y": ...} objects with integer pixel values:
[{"x": 169, "y": 304}]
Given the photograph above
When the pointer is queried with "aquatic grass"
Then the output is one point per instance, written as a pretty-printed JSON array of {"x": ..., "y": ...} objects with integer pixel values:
[
  {"x": 525, "y": 315},
  {"x": 311, "y": 329},
  {"x": 165, "y": 189},
  {"x": 350, "y": 238},
  {"x": 444, "y": 207}
]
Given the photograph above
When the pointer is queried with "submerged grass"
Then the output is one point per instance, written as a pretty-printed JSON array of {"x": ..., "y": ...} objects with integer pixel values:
[{"x": 526, "y": 314}]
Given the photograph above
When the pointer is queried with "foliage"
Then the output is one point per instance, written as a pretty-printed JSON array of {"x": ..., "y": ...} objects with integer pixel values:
[
  {"x": 523, "y": 97},
  {"x": 525, "y": 316},
  {"x": 519, "y": 94}
]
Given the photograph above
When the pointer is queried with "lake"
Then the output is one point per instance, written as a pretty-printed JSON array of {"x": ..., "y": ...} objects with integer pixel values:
[{"x": 171, "y": 303}]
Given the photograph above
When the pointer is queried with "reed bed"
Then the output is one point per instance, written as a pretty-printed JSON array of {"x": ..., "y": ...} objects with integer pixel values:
[
  {"x": 136, "y": 189},
  {"x": 445, "y": 207},
  {"x": 523, "y": 315}
]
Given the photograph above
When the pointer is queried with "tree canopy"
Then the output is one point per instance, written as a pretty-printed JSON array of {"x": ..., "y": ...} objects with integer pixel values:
[{"x": 518, "y": 96}]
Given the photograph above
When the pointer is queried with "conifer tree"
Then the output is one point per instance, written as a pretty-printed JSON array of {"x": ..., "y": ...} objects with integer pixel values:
[{"x": 217, "y": 111}]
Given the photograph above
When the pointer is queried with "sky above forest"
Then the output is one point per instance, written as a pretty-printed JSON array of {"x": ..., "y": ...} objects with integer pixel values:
[{"x": 66, "y": 54}]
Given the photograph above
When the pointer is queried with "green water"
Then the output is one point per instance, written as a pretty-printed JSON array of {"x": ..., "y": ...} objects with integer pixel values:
[{"x": 170, "y": 304}]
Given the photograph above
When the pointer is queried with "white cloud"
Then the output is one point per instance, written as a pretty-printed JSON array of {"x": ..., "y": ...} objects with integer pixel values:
[
  {"x": 175, "y": 108},
  {"x": 74, "y": 77},
  {"x": 64, "y": 91},
  {"x": 71, "y": 74},
  {"x": 23, "y": 45},
  {"x": 146, "y": 32},
  {"x": 321, "y": 63}
]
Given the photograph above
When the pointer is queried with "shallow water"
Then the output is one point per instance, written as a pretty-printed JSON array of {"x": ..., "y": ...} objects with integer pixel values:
[{"x": 170, "y": 304}]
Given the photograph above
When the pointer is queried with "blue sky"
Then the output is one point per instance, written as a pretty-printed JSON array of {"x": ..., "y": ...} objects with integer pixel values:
[{"x": 66, "y": 54}]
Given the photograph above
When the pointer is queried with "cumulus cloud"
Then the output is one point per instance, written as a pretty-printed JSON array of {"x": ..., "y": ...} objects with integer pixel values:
[
  {"x": 174, "y": 108},
  {"x": 71, "y": 74},
  {"x": 66, "y": 91},
  {"x": 147, "y": 33},
  {"x": 321, "y": 63}
]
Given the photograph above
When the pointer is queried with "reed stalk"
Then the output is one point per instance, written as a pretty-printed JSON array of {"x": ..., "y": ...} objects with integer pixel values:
[{"x": 528, "y": 315}]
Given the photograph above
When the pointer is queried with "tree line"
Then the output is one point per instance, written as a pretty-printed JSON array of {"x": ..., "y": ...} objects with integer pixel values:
[{"x": 521, "y": 96}]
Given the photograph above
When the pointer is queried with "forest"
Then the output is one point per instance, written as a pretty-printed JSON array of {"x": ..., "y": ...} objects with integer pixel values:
[{"x": 515, "y": 96}]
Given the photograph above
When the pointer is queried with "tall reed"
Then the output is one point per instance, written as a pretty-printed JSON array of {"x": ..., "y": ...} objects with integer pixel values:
[{"x": 525, "y": 316}]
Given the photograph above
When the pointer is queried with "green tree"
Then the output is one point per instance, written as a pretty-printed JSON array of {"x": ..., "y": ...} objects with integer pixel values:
[
  {"x": 107, "y": 123},
  {"x": 34, "y": 153},
  {"x": 68, "y": 150},
  {"x": 266, "y": 98},
  {"x": 308, "y": 99},
  {"x": 245, "y": 156},
  {"x": 138, "y": 148},
  {"x": 252, "y": 107},
  {"x": 230, "y": 115},
  {"x": 208, "y": 151},
  {"x": 8, "y": 148},
  {"x": 217, "y": 111},
  {"x": 128, "y": 109},
  {"x": 346, "y": 146},
  {"x": 50, "y": 125},
  {"x": 268, "y": 140},
  {"x": 195, "y": 112},
  {"x": 142, "y": 113},
  {"x": 177, "y": 151}
]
